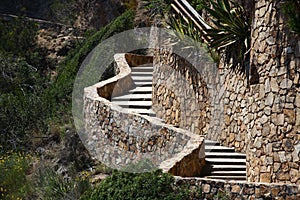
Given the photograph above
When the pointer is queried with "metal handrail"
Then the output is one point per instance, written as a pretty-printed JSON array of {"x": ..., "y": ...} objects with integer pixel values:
[{"x": 183, "y": 8}]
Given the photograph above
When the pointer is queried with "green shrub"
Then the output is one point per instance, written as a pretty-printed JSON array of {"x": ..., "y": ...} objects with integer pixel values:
[
  {"x": 52, "y": 186},
  {"x": 291, "y": 8},
  {"x": 230, "y": 33},
  {"x": 13, "y": 182},
  {"x": 199, "y": 5},
  {"x": 61, "y": 90},
  {"x": 145, "y": 186},
  {"x": 28, "y": 100},
  {"x": 17, "y": 36}
]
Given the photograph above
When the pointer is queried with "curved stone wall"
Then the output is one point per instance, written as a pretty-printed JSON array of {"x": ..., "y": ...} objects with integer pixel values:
[{"x": 120, "y": 138}]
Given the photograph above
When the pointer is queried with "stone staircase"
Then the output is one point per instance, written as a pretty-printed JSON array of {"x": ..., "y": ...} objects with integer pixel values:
[
  {"x": 222, "y": 162},
  {"x": 139, "y": 99}
]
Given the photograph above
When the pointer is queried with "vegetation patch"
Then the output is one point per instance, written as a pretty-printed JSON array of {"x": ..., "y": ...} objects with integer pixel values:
[{"x": 291, "y": 8}]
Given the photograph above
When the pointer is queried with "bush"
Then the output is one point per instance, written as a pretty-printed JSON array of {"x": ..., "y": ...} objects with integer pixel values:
[
  {"x": 291, "y": 8},
  {"x": 28, "y": 100},
  {"x": 151, "y": 185},
  {"x": 52, "y": 186},
  {"x": 17, "y": 35},
  {"x": 61, "y": 90},
  {"x": 13, "y": 182}
]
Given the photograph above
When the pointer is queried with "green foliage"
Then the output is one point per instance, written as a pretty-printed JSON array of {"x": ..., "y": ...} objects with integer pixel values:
[
  {"x": 51, "y": 186},
  {"x": 13, "y": 181},
  {"x": 199, "y": 5},
  {"x": 64, "y": 11},
  {"x": 151, "y": 185},
  {"x": 28, "y": 100},
  {"x": 17, "y": 36},
  {"x": 229, "y": 35},
  {"x": 230, "y": 32},
  {"x": 21, "y": 107},
  {"x": 291, "y": 9},
  {"x": 183, "y": 29},
  {"x": 61, "y": 90},
  {"x": 221, "y": 195},
  {"x": 158, "y": 7}
]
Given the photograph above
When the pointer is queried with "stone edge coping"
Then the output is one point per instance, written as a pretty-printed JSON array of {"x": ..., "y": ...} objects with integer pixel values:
[
  {"x": 195, "y": 141},
  {"x": 236, "y": 182}
]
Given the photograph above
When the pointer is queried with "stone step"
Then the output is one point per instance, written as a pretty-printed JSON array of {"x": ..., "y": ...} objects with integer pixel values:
[
  {"x": 226, "y": 167},
  {"x": 142, "y": 78},
  {"x": 142, "y": 68},
  {"x": 141, "y": 89},
  {"x": 143, "y": 83},
  {"x": 226, "y": 160},
  {"x": 140, "y": 111},
  {"x": 142, "y": 73},
  {"x": 224, "y": 154},
  {"x": 133, "y": 103},
  {"x": 218, "y": 148},
  {"x": 240, "y": 178},
  {"x": 129, "y": 97},
  {"x": 223, "y": 173},
  {"x": 211, "y": 142}
]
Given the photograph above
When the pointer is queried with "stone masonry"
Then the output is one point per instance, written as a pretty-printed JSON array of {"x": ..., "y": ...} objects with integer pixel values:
[{"x": 261, "y": 119}]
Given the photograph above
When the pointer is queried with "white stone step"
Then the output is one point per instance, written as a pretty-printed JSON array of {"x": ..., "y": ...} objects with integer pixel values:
[
  {"x": 243, "y": 173},
  {"x": 242, "y": 178},
  {"x": 142, "y": 73},
  {"x": 142, "y": 68},
  {"x": 218, "y": 147},
  {"x": 133, "y": 96},
  {"x": 143, "y": 83},
  {"x": 142, "y": 78},
  {"x": 220, "y": 167},
  {"x": 140, "y": 110},
  {"x": 133, "y": 103},
  {"x": 226, "y": 154},
  {"x": 224, "y": 160},
  {"x": 141, "y": 89}
]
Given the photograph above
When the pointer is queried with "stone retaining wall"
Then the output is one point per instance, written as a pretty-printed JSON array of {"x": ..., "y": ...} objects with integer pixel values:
[
  {"x": 120, "y": 138},
  {"x": 273, "y": 131},
  {"x": 211, "y": 189},
  {"x": 261, "y": 119}
]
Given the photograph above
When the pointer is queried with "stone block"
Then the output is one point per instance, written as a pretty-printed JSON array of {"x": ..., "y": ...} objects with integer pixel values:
[{"x": 265, "y": 177}]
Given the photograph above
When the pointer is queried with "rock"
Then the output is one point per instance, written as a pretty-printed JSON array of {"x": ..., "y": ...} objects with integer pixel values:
[
  {"x": 231, "y": 137},
  {"x": 282, "y": 176},
  {"x": 258, "y": 142},
  {"x": 206, "y": 188},
  {"x": 294, "y": 174},
  {"x": 297, "y": 101},
  {"x": 274, "y": 191},
  {"x": 267, "y": 86},
  {"x": 265, "y": 177},
  {"x": 267, "y": 111},
  {"x": 236, "y": 189},
  {"x": 264, "y": 119},
  {"x": 297, "y": 122},
  {"x": 276, "y": 167},
  {"x": 274, "y": 85},
  {"x": 266, "y": 130},
  {"x": 261, "y": 91},
  {"x": 282, "y": 156},
  {"x": 269, "y": 100},
  {"x": 280, "y": 119},
  {"x": 286, "y": 83}
]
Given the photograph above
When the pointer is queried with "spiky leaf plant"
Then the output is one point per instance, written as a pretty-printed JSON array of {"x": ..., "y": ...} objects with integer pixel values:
[{"x": 230, "y": 32}]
